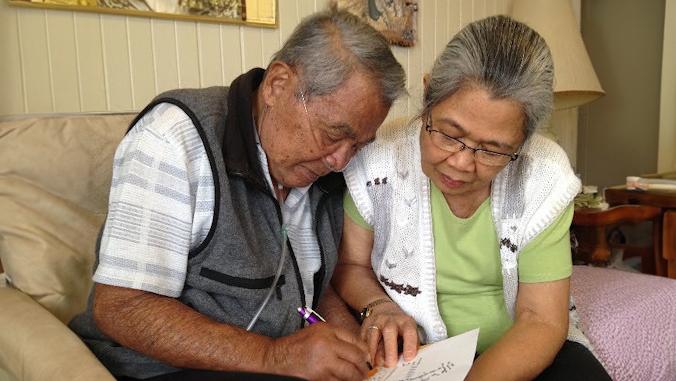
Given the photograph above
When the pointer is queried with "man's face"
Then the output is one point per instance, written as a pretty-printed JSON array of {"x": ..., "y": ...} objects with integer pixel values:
[{"x": 305, "y": 138}]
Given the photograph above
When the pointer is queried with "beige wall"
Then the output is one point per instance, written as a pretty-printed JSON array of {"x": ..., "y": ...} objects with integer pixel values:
[
  {"x": 62, "y": 61},
  {"x": 666, "y": 159},
  {"x": 618, "y": 134}
]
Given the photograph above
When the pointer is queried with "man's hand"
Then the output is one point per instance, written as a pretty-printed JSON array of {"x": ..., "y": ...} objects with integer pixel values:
[
  {"x": 320, "y": 352},
  {"x": 167, "y": 330}
]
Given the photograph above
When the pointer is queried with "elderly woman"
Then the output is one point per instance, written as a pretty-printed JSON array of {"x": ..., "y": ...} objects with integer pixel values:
[{"x": 460, "y": 219}]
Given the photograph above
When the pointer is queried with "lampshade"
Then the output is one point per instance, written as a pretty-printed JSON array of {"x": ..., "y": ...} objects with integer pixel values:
[{"x": 575, "y": 82}]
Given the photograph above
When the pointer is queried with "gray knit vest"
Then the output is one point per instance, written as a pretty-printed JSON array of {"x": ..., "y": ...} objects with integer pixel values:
[{"x": 231, "y": 272}]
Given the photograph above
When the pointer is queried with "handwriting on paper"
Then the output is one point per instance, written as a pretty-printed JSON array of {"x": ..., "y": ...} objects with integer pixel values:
[{"x": 447, "y": 360}]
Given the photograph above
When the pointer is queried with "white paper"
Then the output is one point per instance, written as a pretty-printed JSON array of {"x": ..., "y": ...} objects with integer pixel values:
[{"x": 447, "y": 360}]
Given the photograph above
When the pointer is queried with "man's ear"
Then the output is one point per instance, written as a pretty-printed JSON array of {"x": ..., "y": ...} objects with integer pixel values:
[{"x": 279, "y": 79}]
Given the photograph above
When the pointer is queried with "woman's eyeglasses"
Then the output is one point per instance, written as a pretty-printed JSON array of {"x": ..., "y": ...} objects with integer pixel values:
[{"x": 453, "y": 145}]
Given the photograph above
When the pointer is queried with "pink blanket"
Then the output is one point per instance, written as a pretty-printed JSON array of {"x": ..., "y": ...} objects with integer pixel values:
[{"x": 630, "y": 319}]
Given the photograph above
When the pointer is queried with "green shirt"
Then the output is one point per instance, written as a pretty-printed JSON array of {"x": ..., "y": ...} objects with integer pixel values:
[{"x": 469, "y": 271}]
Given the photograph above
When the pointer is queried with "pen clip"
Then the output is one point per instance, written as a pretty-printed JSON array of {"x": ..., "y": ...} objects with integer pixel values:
[{"x": 310, "y": 315}]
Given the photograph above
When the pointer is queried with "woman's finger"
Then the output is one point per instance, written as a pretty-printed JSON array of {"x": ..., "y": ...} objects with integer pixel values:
[
  {"x": 372, "y": 339},
  {"x": 411, "y": 343},
  {"x": 390, "y": 335}
]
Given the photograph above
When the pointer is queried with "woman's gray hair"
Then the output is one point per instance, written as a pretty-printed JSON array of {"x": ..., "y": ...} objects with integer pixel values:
[
  {"x": 328, "y": 46},
  {"x": 502, "y": 56}
]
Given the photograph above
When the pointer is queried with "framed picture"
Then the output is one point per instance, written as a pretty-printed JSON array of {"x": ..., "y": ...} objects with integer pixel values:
[
  {"x": 395, "y": 19},
  {"x": 246, "y": 12}
]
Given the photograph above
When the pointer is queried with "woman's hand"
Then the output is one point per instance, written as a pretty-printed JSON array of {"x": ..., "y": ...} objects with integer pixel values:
[
  {"x": 384, "y": 328},
  {"x": 356, "y": 283}
]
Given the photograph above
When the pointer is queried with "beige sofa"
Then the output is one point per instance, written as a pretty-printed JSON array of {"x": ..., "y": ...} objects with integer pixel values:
[
  {"x": 54, "y": 178},
  {"x": 55, "y": 174}
]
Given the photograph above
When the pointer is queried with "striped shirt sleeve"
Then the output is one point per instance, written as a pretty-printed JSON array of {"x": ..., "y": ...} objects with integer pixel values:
[{"x": 160, "y": 204}]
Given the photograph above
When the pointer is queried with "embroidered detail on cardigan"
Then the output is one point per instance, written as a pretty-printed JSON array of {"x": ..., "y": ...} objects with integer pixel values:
[
  {"x": 377, "y": 181},
  {"x": 400, "y": 288},
  {"x": 507, "y": 243}
]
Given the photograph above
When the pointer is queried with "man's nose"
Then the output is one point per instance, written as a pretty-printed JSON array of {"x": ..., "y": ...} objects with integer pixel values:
[{"x": 337, "y": 160}]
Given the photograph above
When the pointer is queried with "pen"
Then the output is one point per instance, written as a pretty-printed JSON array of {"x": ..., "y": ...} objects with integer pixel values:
[
  {"x": 313, "y": 317},
  {"x": 309, "y": 315}
]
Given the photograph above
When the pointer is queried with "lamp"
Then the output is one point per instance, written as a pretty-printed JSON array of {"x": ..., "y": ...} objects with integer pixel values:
[{"x": 575, "y": 82}]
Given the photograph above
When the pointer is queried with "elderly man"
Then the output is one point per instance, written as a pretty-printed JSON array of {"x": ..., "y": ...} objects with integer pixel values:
[{"x": 225, "y": 215}]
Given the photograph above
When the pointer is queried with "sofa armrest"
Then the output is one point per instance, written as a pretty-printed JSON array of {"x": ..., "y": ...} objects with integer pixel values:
[{"x": 36, "y": 346}]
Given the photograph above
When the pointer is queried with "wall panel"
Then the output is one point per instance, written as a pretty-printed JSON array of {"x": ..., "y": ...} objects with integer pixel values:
[
  {"x": 401, "y": 106},
  {"x": 210, "y": 57},
  {"x": 165, "y": 55},
  {"x": 63, "y": 58},
  {"x": 441, "y": 26},
  {"x": 187, "y": 54},
  {"x": 270, "y": 43},
  {"x": 35, "y": 60},
  {"x": 141, "y": 61},
  {"x": 90, "y": 62},
  {"x": 116, "y": 62},
  {"x": 61, "y": 61},
  {"x": 288, "y": 16},
  {"x": 466, "y": 11},
  {"x": 426, "y": 38},
  {"x": 252, "y": 48},
  {"x": 453, "y": 19},
  {"x": 231, "y": 56},
  {"x": 11, "y": 70},
  {"x": 111, "y": 62}
]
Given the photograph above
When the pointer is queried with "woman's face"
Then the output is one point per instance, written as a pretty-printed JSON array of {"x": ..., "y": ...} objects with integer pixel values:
[{"x": 475, "y": 119}]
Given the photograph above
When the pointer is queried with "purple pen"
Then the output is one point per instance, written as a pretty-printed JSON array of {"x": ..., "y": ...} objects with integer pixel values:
[{"x": 309, "y": 315}]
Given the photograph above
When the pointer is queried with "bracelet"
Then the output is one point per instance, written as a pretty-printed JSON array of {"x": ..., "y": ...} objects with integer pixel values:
[{"x": 366, "y": 312}]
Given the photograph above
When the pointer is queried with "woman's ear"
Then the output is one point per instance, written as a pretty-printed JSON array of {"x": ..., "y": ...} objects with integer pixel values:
[
  {"x": 279, "y": 78},
  {"x": 426, "y": 80}
]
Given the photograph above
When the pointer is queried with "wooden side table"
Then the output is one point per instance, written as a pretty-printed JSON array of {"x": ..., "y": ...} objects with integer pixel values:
[
  {"x": 591, "y": 226},
  {"x": 669, "y": 241},
  {"x": 666, "y": 201}
]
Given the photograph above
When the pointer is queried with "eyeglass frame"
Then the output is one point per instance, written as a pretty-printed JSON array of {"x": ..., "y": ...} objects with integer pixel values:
[{"x": 463, "y": 145}]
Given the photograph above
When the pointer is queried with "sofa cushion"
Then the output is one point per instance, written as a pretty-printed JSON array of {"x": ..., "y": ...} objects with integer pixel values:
[
  {"x": 41, "y": 347},
  {"x": 55, "y": 175},
  {"x": 630, "y": 319}
]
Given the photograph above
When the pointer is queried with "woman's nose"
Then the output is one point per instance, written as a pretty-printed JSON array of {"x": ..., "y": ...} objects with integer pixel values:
[{"x": 462, "y": 160}]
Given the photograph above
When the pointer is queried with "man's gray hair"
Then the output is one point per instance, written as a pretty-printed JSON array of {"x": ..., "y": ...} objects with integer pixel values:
[
  {"x": 502, "y": 56},
  {"x": 328, "y": 46}
]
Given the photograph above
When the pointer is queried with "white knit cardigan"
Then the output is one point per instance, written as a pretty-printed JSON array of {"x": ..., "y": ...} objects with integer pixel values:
[{"x": 392, "y": 194}]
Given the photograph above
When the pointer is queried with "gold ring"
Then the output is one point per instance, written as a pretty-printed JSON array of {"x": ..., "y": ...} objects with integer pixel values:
[{"x": 372, "y": 327}]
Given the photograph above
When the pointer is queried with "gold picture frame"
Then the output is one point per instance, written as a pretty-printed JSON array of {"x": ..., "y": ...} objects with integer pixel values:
[
  {"x": 263, "y": 13},
  {"x": 395, "y": 19}
]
